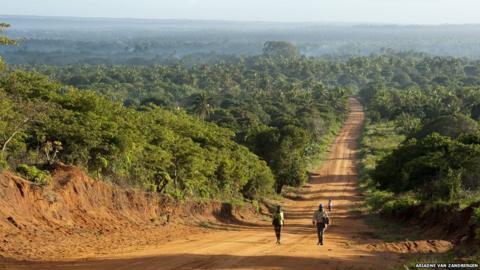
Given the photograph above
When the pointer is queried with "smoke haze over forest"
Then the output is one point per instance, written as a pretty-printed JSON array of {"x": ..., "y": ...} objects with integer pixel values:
[{"x": 67, "y": 40}]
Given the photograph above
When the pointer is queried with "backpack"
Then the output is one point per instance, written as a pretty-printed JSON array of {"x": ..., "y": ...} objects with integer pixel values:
[
  {"x": 276, "y": 219},
  {"x": 326, "y": 220}
]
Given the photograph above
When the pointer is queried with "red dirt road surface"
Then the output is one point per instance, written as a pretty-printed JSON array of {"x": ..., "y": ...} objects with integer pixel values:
[{"x": 348, "y": 242}]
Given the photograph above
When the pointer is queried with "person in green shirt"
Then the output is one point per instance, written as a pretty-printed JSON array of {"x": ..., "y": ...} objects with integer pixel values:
[{"x": 278, "y": 222}]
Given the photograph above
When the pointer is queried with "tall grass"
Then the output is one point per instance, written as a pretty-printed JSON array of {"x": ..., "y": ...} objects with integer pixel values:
[{"x": 377, "y": 141}]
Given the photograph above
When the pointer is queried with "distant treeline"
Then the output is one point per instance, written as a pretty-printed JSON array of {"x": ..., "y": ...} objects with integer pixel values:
[{"x": 63, "y": 41}]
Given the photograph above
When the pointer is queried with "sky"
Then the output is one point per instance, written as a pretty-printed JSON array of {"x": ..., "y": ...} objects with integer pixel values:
[{"x": 348, "y": 11}]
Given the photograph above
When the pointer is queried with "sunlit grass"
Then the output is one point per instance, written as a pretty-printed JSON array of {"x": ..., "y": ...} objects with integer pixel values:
[{"x": 377, "y": 141}]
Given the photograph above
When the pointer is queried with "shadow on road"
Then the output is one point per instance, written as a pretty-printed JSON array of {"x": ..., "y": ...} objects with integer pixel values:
[{"x": 192, "y": 261}]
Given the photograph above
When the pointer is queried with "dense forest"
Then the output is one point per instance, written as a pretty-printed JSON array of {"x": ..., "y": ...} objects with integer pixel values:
[
  {"x": 422, "y": 140},
  {"x": 420, "y": 94},
  {"x": 270, "y": 112},
  {"x": 212, "y": 131}
]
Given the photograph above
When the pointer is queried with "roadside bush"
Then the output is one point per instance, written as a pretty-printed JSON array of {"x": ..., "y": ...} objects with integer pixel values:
[
  {"x": 437, "y": 167},
  {"x": 399, "y": 205},
  {"x": 408, "y": 124},
  {"x": 476, "y": 216},
  {"x": 34, "y": 174},
  {"x": 377, "y": 199},
  {"x": 446, "y": 187},
  {"x": 449, "y": 125},
  {"x": 3, "y": 163},
  {"x": 256, "y": 206}
]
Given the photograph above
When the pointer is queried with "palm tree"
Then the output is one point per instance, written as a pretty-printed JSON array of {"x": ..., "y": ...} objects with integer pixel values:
[
  {"x": 201, "y": 105},
  {"x": 4, "y": 40}
]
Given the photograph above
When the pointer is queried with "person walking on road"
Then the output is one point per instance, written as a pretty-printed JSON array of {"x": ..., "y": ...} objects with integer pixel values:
[
  {"x": 330, "y": 205},
  {"x": 277, "y": 222},
  {"x": 320, "y": 220}
]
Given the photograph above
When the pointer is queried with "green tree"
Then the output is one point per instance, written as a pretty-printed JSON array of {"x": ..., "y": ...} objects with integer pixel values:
[
  {"x": 201, "y": 105},
  {"x": 280, "y": 49},
  {"x": 5, "y": 40}
]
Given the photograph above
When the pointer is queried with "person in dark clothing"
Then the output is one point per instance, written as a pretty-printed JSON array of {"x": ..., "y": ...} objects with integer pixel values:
[
  {"x": 277, "y": 222},
  {"x": 320, "y": 220}
]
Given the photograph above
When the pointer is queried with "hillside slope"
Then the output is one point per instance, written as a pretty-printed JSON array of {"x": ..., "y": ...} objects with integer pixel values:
[{"x": 78, "y": 217}]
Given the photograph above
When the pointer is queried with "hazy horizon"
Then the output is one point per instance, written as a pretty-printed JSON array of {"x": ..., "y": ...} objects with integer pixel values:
[
  {"x": 423, "y": 12},
  {"x": 339, "y": 23}
]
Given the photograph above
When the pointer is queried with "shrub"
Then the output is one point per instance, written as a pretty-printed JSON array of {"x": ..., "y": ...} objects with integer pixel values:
[
  {"x": 377, "y": 199},
  {"x": 448, "y": 125},
  {"x": 34, "y": 174},
  {"x": 149, "y": 187},
  {"x": 3, "y": 163},
  {"x": 475, "y": 218},
  {"x": 408, "y": 124},
  {"x": 399, "y": 205},
  {"x": 436, "y": 166},
  {"x": 447, "y": 187},
  {"x": 256, "y": 206}
]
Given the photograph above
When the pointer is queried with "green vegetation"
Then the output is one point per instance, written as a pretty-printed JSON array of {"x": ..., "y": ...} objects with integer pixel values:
[
  {"x": 381, "y": 142},
  {"x": 378, "y": 141},
  {"x": 436, "y": 110},
  {"x": 420, "y": 148},
  {"x": 227, "y": 131},
  {"x": 435, "y": 167},
  {"x": 275, "y": 104},
  {"x": 3, "y": 39},
  {"x": 45, "y": 122},
  {"x": 391, "y": 231},
  {"x": 476, "y": 216},
  {"x": 34, "y": 174},
  {"x": 207, "y": 117},
  {"x": 280, "y": 49},
  {"x": 250, "y": 124}
]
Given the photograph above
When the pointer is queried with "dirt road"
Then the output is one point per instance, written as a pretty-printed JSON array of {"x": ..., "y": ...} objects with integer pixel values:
[{"x": 253, "y": 247}]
